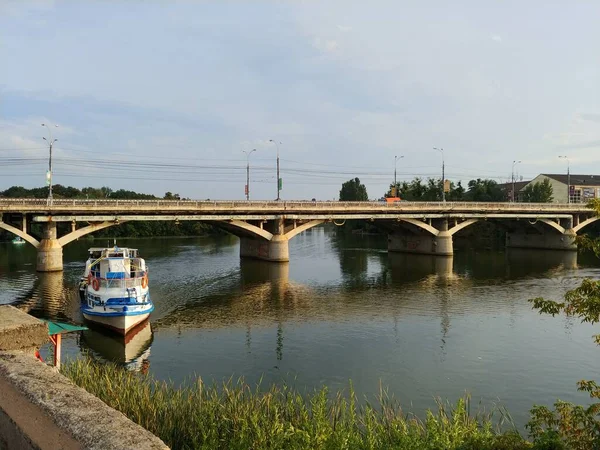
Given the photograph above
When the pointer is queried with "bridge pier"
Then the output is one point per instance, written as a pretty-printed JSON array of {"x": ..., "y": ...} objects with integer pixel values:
[
  {"x": 49, "y": 252},
  {"x": 422, "y": 244},
  {"x": 275, "y": 250},
  {"x": 545, "y": 241}
]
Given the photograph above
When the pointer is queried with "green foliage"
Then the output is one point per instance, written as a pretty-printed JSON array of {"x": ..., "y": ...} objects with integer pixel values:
[
  {"x": 431, "y": 190},
  {"x": 236, "y": 416},
  {"x": 484, "y": 191},
  {"x": 573, "y": 426},
  {"x": 353, "y": 191},
  {"x": 538, "y": 192}
]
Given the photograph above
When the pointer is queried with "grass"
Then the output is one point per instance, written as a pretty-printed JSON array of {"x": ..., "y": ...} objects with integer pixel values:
[{"x": 236, "y": 416}]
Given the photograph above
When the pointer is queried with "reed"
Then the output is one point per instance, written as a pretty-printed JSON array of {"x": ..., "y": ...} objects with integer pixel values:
[{"x": 233, "y": 415}]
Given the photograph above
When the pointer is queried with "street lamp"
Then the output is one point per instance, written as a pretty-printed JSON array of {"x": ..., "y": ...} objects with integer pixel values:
[
  {"x": 513, "y": 180},
  {"x": 49, "y": 175},
  {"x": 278, "y": 179},
  {"x": 396, "y": 158},
  {"x": 248, "y": 172},
  {"x": 441, "y": 150},
  {"x": 568, "y": 178}
]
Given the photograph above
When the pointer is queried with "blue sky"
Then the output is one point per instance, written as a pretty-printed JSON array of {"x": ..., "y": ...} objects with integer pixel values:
[{"x": 164, "y": 96}]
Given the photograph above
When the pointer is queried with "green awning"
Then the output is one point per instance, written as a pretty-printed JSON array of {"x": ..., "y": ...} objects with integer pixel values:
[{"x": 60, "y": 327}]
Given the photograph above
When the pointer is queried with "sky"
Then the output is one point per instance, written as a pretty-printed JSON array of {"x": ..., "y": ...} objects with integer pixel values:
[{"x": 166, "y": 96}]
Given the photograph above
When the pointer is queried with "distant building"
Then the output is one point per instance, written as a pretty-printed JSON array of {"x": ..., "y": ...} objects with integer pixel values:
[
  {"x": 582, "y": 189},
  {"x": 508, "y": 187}
]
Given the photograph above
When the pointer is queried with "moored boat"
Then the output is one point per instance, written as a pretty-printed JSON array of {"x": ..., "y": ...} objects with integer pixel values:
[{"x": 114, "y": 288}]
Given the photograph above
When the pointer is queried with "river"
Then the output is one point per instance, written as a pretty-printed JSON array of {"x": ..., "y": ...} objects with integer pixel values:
[{"x": 343, "y": 309}]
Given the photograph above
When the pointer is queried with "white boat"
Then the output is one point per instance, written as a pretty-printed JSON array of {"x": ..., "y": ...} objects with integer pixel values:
[
  {"x": 18, "y": 240},
  {"x": 114, "y": 288}
]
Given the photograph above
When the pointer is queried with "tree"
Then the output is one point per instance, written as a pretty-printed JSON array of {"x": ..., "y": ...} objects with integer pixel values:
[
  {"x": 538, "y": 192},
  {"x": 353, "y": 191},
  {"x": 578, "y": 427},
  {"x": 484, "y": 191}
]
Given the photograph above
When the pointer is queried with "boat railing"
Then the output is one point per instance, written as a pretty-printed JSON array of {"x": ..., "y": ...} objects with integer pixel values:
[{"x": 120, "y": 282}]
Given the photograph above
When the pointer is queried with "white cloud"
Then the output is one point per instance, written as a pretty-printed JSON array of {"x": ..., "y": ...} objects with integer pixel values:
[
  {"x": 496, "y": 38},
  {"x": 344, "y": 28},
  {"x": 325, "y": 45}
]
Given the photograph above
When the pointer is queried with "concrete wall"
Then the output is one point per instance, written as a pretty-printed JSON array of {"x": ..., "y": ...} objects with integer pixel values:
[
  {"x": 422, "y": 244},
  {"x": 548, "y": 240},
  {"x": 276, "y": 250},
  {"x": 42, "y": 409}
]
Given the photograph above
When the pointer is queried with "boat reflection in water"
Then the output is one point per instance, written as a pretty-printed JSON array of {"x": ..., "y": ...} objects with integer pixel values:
[{"x": 131, "y": 351}]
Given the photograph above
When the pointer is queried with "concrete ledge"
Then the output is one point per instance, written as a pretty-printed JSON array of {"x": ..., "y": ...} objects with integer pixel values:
[
  {"x": 59, "y": 411},
  {"x": 19, "y": 330}
]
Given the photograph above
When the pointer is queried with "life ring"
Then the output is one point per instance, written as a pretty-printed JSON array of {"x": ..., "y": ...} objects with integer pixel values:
[
  {"x": 89, "y": 278},
  {"x": 145, "y": 281},
  {"x": 96, "y": 284}
]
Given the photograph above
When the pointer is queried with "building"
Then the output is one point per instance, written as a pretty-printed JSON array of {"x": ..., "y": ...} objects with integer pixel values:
[
  {"x": 582, "y": 189},
  {"x": 508, "y": 187}
]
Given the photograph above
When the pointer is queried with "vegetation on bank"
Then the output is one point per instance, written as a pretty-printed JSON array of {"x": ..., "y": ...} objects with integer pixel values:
[
  {"x": 580, "y": 425},
  {"x": 237, "y": 416}
]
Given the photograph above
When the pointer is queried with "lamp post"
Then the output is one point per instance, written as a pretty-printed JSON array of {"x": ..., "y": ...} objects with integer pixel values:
[
  {"x": 512, "y": 195},
  {"x": 568, "y": 178},
  {"x": 248, "y": 172},
  {"x": 278, "y": 179},
  {"x": 441, "y": 150},
  {"x": 396, "y": 158},
  {"x": 49, "y": 176}
]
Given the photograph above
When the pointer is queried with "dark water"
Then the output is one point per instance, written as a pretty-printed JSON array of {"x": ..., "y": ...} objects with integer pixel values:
[{"x": 342, "y": 309}]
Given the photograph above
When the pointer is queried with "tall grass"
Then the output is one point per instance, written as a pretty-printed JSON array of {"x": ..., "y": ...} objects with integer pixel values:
[{"x": 235, "y": 416}]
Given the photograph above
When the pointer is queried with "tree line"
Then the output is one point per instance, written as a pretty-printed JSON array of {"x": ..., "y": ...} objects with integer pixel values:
[
  {"x": 128, "y": 229},
  {"x": 430, "y": 190}
]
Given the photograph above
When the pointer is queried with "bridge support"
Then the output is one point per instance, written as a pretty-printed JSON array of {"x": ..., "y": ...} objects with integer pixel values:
[
  {"x": 546, "y": 241},
  {"x": 421, "y": 244},
  {"x": 276, "y": 250},
  {"x": 50, "y": 254}
]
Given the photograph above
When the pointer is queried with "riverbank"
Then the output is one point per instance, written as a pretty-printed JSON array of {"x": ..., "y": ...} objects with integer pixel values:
[{"x": 235, "y": 415}]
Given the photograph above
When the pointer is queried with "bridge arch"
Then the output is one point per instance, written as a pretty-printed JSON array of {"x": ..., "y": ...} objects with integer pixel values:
[
  {"x": 26, "y": 237},
  {"x": 422, "y": 225},
  {"x": 67, "y": 238},
  {"x": 245, "y": 226},
  {"x": 585, "y": 223},
  {"x": 305, "y": 226},
  {"x": 552, "y": 224},
  {"x": 456, "y": 228}
]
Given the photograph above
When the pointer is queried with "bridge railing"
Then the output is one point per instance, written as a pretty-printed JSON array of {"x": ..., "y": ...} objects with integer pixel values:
[{"x": 13, "y": 203}]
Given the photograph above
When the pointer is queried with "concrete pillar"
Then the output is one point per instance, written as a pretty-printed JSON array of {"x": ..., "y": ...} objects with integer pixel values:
[
  {"x": 549, "y": 240},
  {"x": 49, "y": 256},
  {"x": 276, "y": 250},
  {"x": 421, "y": 244}
]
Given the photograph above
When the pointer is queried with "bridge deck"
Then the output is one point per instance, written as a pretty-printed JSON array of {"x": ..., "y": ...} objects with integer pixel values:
[{"x": 263, "y": 208}]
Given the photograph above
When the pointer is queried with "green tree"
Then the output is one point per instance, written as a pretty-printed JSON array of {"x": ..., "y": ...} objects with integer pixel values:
[
  {"x": 484, "y": 190},
  {"x": 578, "y": 427},
  {"x": 353, "y": 191},
  {"x": 538, "y": 192}
]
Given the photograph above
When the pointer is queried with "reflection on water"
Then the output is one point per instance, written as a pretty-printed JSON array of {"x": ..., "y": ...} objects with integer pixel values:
[
  {"x": 342, "y": 308},
  {"x": 131, "y": 351}
]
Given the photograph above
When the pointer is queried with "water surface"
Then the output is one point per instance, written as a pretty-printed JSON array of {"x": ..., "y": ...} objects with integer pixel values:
[{"x": 342, "y": 309}]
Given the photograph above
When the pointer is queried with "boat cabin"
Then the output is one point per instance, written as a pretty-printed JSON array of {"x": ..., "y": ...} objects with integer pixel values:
[{"x": 114, "y": 263}]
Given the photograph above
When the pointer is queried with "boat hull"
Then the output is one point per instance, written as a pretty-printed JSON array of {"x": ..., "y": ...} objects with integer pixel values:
[{"x": 118, "y": 323}]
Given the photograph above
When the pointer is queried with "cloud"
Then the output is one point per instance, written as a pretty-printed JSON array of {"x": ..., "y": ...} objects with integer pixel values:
[
  {"x": 496, "y": 38},
  {"x": 592, "y": 117},
  {"x": 325, "y": 45},
  {"x": 344, "y": 28}
]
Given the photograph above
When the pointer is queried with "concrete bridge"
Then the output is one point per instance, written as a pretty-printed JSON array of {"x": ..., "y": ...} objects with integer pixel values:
[{"x": 265, "y": 228}]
